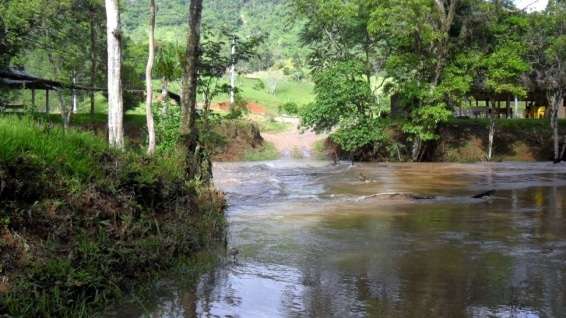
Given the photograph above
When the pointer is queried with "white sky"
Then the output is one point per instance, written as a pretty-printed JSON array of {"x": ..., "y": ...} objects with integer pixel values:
[{"x": 531, "y": 5}]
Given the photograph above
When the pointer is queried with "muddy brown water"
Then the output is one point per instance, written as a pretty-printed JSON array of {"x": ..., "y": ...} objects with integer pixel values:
[{"x": 316, "y": 241}]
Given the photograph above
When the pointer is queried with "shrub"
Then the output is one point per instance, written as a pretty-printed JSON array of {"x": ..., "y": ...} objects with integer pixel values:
[
  {"x": 167, "y": 127},
  {"x": 289, "y": 108}
]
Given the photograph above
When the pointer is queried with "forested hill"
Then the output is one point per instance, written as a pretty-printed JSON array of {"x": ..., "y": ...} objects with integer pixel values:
[{"x": 272, "y": 18}]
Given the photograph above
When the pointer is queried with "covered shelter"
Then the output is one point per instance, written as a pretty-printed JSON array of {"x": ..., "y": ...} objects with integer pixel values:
[
  {"x": 18, "y": 79},
  {"x": 13, "y": 79},
  {"x": 534, "y": 104}
]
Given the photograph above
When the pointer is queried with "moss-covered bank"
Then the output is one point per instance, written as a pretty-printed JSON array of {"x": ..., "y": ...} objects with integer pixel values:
[{"x": 81, "y": 224}]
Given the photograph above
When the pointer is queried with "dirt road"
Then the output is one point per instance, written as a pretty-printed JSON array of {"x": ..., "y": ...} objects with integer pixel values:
[{"x": 293, "y": 143}]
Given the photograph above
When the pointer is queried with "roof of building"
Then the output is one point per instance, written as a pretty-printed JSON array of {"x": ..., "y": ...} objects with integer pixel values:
[{"x": 19, "y": 79}]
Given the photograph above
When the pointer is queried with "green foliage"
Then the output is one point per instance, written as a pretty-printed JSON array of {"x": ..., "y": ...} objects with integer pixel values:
[
  {"x": 289, "y": 108},
  {"x": 168, "y": 59},
  {"x": 341, "y": 95},
  {"x": 167, "y": 127},
  {"x": 239, "y": 108},
  {"x": 273, "y": 19},
  {"x": 425, "y": 120},
  {"x": 503, "y": 67},
  {"x": 356, "y": 135}
]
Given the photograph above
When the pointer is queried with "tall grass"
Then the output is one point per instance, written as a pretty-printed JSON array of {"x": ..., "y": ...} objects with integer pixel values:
[
  {"x": 70, "y": 153},
  {"x": 87, "y": 223}
]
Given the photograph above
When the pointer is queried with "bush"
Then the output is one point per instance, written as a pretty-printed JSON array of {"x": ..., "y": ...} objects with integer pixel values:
[
  {"x": 289, "y": 108},
  {"x": 167, "y": 127},
  {"x": 239, "y": 108},
  {"x": 259, "y": 85}
]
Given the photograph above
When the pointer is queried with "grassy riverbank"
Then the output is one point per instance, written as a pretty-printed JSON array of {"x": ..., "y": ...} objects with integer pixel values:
[
  {"x": 81, "y": 224},
  {"x": 465, "y": 140}
]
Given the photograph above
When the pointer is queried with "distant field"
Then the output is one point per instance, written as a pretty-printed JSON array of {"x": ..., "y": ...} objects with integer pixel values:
[{"x": 255, "y": 88}]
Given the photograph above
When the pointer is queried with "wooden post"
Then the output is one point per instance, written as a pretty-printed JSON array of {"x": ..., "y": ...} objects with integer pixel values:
[
  {"x": 516, "y": 107},
  {"x": 508, "y": 108},
  {"x": 47, "y": 101},
  {"x": 33, "y": 99},
  {"x": 498, "y": 109}
]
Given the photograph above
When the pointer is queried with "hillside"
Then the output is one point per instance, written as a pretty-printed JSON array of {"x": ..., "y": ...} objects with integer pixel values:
[{"x": 271, "y": 18}]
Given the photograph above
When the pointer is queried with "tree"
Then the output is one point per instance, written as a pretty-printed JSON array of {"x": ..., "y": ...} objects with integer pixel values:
[
  {"x": 148, "y": 79},
  {"x": 241, "y": 50},
  {"x": 346, "y": 106},
  {"x": 93, "y": 9},
  {"x": 115, "y": 99},
  {"x": 547, "y": 56},
  {"x": 168, "y": 67},
  {"x": 501, "y": 72},
  {"x": 189, "y": 132},
  {"x": 501, "y": 61},
  {"x": 212, "y": 67}
]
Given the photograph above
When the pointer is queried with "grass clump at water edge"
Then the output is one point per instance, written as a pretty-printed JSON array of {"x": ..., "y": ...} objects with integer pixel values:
[{"x": 266, "y": 151}]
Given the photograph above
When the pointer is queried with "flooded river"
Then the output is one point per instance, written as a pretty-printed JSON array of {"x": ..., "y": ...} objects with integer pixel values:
[{"x": 386, "y": 240}]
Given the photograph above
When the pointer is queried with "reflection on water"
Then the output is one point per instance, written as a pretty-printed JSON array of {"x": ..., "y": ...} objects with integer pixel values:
[{"x": 314, "y": 242}]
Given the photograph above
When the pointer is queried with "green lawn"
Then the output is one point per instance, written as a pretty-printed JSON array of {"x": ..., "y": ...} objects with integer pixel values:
[{"x": 252, "y": 90}]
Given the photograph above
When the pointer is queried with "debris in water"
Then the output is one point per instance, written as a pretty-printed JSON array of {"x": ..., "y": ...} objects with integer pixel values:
[{"x": 484, "y": 194}]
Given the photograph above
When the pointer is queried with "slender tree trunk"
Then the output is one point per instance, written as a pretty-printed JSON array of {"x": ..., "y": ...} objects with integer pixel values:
[
  {"x": 556, "y": 100},
  {"x": 206, "y": 110},
  {"x": 148, "y": 79},
  {"x": 447, "y": 10},
  {"x": 491, "y": 135},
  {"x": 92, "y": 63},
  {"x": 115, "y": 99},
  {"x": 65, "y": 114},
  {"x": 75, "y": 97},
  {"x": 189, "y": 133},
  {"x": 165, "y": 95},
  {"x": 233, "y": 74},
  {"x": 563, "y": 148}
]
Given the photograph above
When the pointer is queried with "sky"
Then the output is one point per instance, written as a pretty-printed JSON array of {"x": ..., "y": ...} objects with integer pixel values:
[{"x": 531, "y": 5}]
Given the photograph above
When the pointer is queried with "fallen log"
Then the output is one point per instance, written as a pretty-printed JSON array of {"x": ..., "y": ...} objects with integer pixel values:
[{"x": 400, "y": 195}]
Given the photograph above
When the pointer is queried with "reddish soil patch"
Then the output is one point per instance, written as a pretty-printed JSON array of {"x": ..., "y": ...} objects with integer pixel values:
[
  {"x": 223, "y": 106},
  {"x": 254, "y": 108}
]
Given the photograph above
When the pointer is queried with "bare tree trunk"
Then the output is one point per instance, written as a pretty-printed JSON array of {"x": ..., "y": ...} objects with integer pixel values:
[
  {"x": 556, "y": 100},
  {"x": 75, "y": 97},
  {"x": 447, "y": 10},
  {"x": 92, "y": 62},
  {"x": 65, "y": 113},
  {"x": 416, "y": 151},
  {"x": 563, "y": 148},
  {"x": 189, "y": 133},
  {"x": 165, "y": 95},
  {"x": 148, "y": 79},
  {"x": 233, "y": 74},
  {"x": 206, "y": 109},
  {"x": 491, "y": 135},
  {"x": 115, "y": 99}
]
